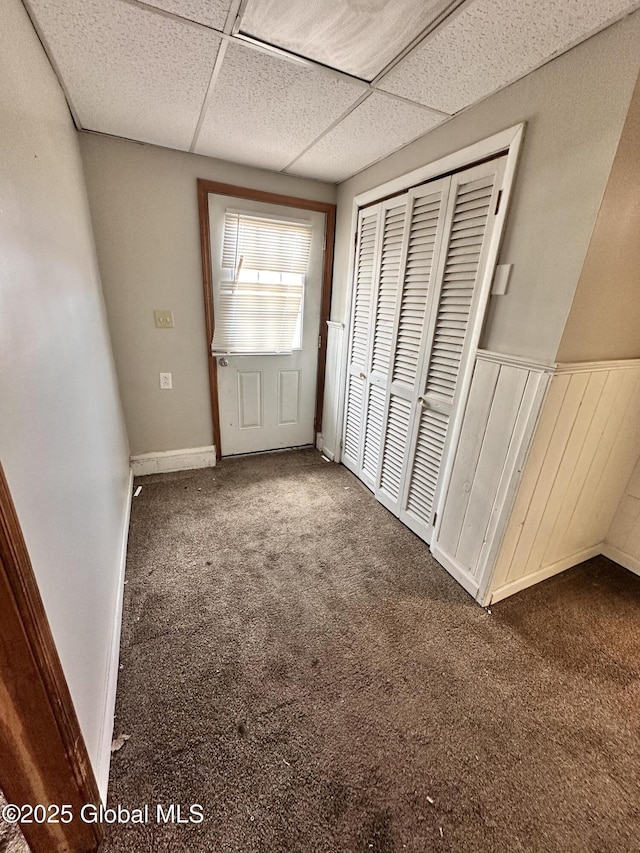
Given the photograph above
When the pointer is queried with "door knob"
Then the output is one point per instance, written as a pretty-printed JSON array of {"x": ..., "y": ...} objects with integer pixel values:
[{"x": 223, "y": 362}]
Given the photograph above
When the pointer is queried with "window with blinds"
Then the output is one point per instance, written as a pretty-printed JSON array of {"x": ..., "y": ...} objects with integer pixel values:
[{"x": 258, "y": 309}]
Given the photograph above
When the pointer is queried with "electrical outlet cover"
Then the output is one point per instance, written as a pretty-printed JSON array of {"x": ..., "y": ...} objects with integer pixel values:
[{"x": 163, "y": 319}]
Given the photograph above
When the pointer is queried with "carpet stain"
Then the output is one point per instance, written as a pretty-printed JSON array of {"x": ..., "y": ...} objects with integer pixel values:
[
  {"x": 336, "y": 799},
  {"x": 377, "y": 835}
]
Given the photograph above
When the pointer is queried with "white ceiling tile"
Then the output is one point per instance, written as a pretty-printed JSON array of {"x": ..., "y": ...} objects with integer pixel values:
[
  {"x": 378, "y": 126},
  {"x": 360, "y": 38},
  {"x": 491, "y": 43},
  {"x": 213, "y": 13},
  {"x": 129, "y": 71},
  {"x": 265, "y": 110}
]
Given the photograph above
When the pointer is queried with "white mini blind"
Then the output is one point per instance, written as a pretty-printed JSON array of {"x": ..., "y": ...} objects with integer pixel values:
[
  {"x": 278, "y": 245},
  {"x": 258, "y": 310}
]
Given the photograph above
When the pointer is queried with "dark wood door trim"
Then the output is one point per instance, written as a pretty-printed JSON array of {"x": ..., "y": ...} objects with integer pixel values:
[
  {"x": 43, "y": 757},
  {"x": 204, "y": 188}
]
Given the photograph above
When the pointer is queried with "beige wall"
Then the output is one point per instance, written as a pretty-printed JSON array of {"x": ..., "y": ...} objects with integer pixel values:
[
  {"x": 574, "y": 107},
  {"x": 604, "y": 321},
  {"x": 145, "y": 216},
  {"x": 62, "y": 438}
]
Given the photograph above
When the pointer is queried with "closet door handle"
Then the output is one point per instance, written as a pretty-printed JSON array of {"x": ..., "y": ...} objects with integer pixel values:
[{"x": 362, "y": 376}]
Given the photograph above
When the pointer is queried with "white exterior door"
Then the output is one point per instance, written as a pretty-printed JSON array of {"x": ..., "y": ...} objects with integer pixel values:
[
  {"x": 267, "y": 401},
  {"x": 417, "y": 311}
]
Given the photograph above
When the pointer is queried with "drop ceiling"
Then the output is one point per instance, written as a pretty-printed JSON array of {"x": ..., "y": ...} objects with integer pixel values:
[{"x": 320, "y": 88}]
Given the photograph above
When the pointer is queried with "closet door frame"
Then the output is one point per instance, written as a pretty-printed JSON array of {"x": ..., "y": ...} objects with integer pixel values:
[{"x": 507, "y": 142}]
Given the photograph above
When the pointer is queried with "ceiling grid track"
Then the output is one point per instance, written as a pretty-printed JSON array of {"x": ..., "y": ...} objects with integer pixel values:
[
  {"x": 217, "y": 66},
  {"x": 242, "y": 5},
  {"x": 172, "y": 16},
  {"x": 435, "y": 25},
  {"x": 287, "y": 56},
  {"x": 234, "y": 15},
  {"x": 327, "y": 130},
  {"x": 395, "y": 97}
]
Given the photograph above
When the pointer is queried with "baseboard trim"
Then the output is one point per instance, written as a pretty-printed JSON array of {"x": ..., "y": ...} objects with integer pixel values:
[
  {"x": 622, "y": 558},
  {"x": 113, "y": 667},
  {"x": 173, "y": 460},
  {"x": 545, "y": 573}
]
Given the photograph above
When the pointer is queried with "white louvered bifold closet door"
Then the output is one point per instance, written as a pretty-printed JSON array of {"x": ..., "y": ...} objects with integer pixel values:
[
  {"x": 417, "y": 312},
  {"x": 379, "y": 256},
  {"x": 358, "y": 360},
  {"x": 456, "y": 315},
  {"x": 421, "y": 250},
  {"x": 392, "y": 251}
]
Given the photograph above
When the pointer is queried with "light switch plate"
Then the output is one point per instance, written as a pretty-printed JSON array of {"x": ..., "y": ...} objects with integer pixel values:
[
  {"x": 164, "y": 319},
  {"x": 166, "y": 381},
  {"x": 501, "y": 279}
]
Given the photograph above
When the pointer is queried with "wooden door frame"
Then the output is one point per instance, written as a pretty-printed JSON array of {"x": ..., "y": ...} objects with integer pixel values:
[
  {"x": 206, "y": 187},
  {"x": 43, "y": 757}
]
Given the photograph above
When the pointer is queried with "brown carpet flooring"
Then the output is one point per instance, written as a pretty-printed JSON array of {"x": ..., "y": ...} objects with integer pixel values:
[{"x": 296, "y": 662}]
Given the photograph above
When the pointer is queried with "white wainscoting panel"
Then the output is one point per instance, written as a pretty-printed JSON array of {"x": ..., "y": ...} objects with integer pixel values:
[
  {"x": 333, "y": 392},
  {"x": 500, "y": 416},
  {"x": 586, "y": 444},
  {"x": 622, "y": 543}
]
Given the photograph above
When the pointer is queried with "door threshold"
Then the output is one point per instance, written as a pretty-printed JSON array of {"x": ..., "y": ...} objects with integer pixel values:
[{"x": 264, "y": 452}]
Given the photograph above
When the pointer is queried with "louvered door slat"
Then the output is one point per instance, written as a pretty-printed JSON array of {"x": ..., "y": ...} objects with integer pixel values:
[
  {"x": 392, "y": 234},
  {"x": 373, "y": 431},
  {"x": 424, "y": 475},
  {"x": 363, "y": 290},
  {"x": 422, "y": 238},
  {"x": 353, "y": 424},
  {"x": 395, "y": 446},
  {"x": 454, "y": 324}
]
